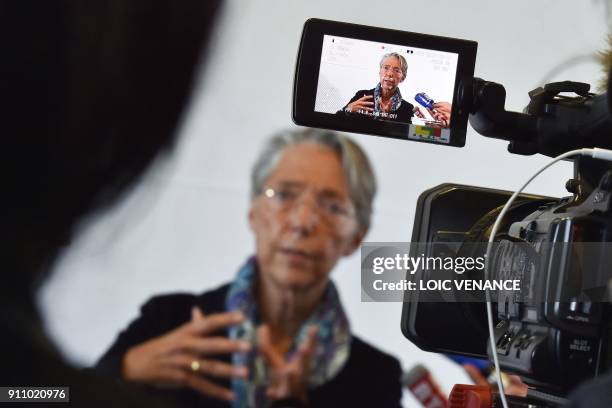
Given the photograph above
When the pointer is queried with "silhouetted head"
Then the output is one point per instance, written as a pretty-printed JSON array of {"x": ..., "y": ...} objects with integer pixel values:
[{"x": 91, "y": 94}]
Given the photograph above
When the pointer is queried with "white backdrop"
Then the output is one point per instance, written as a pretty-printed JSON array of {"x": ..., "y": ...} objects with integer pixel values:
[{"x": 185, "y": 227}]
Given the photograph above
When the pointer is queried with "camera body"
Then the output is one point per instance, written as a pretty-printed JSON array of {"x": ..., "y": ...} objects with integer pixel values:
[{"x": 555, "y": 331}]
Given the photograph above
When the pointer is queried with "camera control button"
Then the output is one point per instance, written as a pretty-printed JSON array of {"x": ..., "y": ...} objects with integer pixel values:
[{"x": 573, "y": 306}]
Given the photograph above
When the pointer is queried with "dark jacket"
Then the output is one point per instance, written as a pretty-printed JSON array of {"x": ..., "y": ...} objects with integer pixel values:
[
  {"x": 370, "y": 378},
  {"x": 404, "y": 112}
]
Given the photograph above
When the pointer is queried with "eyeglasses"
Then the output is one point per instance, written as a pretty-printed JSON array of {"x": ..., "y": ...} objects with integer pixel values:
[
  {"x": 394, "y": 70},
  {"x": 332, "y": 209}
]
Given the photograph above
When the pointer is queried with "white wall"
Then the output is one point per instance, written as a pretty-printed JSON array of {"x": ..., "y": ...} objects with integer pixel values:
[{"x": 185, "y": 227}]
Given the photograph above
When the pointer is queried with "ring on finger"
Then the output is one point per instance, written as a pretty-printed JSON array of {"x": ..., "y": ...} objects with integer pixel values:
[{"x": 195, "y": 366}]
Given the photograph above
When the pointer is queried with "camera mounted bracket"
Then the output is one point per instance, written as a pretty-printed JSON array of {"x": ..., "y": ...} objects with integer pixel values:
[{"x": 552, "y": 123}]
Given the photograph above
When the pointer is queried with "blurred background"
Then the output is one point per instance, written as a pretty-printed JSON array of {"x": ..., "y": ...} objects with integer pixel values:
[{"x": 185, "y": 227}]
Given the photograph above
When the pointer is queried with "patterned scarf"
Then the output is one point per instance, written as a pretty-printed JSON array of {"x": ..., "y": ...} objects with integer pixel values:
[
  {"x": 396, "y": 100},
  {"x": 332, "y": 347}
]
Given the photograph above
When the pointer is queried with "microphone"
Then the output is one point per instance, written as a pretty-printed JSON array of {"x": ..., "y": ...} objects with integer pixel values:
[
  {"x": 420, "y": 383},
  {"x": 484, "y": 396},
  {"x": 418, "y": 113},
  {"x": 472, "y": 396},
  {"x": 424, "y": 100}
]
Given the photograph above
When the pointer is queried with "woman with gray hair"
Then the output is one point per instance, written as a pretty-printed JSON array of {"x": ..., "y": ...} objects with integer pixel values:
[
  {"x": 385, "y": 100},
  {"x": 278, "y": 334}
]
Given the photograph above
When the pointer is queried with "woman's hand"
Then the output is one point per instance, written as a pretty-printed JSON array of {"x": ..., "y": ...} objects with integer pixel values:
[
  {"x": 361, "y": 105},
  {"x": 288, "y": 379},
  {"x": 181, "y": 357}
]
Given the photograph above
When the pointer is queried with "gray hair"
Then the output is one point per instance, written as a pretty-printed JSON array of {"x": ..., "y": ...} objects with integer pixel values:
[
  {"x": 400, "y": 58},
  {"x": 355, "y": 163}
]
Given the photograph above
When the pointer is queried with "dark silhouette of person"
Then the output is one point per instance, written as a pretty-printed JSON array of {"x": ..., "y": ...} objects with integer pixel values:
[{"x": 91, "y": 94}]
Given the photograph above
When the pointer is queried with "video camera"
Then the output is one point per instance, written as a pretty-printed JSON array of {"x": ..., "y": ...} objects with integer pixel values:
[{"x": 555, "y": 332}]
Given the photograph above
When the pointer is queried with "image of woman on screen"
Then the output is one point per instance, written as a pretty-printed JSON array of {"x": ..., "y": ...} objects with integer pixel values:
[{"x": 385, "y": 100}]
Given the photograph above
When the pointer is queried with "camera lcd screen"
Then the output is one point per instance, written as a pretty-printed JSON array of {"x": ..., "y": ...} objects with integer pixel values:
[{"x": 384, "y": 82}]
